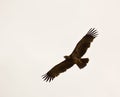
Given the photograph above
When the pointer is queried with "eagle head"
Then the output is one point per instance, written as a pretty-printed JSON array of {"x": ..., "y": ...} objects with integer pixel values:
[{"x": 67, "y": 57}]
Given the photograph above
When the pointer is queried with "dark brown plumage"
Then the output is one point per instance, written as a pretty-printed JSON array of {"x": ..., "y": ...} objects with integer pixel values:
[{"x": 74, "y": 58}]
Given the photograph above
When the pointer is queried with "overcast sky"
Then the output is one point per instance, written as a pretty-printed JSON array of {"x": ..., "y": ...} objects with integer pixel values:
[{"x": 36, "y": 34}]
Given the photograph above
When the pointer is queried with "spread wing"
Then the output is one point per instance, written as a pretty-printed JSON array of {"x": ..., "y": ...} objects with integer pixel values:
[
  {"x": 56, "y": 70},
  {"x": 84, "y": 43}
]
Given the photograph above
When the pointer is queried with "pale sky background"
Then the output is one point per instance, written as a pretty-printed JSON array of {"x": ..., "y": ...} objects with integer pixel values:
[{"x": 36, "y": 34}]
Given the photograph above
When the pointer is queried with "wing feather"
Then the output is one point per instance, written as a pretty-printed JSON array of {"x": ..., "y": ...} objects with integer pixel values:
[
  {"x": 84, "y": 43},
  {"x": 56, "y": 70}
]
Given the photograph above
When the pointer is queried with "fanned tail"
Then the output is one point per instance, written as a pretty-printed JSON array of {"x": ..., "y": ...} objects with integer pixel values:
[{"x": 82, "y": 65}]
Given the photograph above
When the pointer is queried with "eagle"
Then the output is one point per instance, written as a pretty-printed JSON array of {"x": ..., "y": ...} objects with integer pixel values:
[{"x": 74, "y": 58}]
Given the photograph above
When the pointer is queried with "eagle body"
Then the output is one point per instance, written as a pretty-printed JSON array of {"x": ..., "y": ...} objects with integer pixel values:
[{"x": 74, "y": 58}]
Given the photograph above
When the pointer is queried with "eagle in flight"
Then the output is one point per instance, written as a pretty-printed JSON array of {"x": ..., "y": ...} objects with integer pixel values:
[{"x": 74, "y": 58}]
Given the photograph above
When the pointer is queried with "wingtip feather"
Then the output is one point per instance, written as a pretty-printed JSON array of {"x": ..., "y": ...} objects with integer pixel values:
[
  {"x": 92, "y": 32},
  {"x": 47, "y": 78}
]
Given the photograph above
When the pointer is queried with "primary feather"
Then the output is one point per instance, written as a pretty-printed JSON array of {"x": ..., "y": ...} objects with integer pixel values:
[{"x": 74, "y": 57}]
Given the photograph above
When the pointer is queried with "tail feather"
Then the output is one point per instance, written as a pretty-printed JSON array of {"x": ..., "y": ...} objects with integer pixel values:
[{"x": 84, "y": 63}]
